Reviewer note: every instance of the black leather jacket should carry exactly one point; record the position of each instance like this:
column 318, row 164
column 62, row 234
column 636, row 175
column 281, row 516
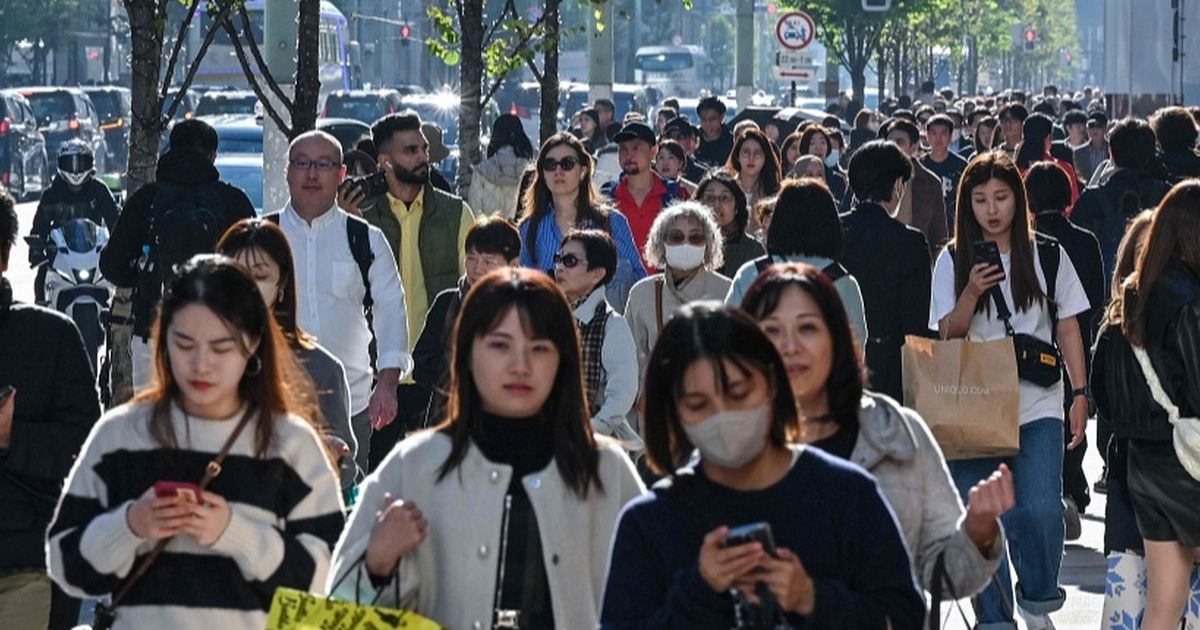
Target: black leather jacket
column 1119, row 389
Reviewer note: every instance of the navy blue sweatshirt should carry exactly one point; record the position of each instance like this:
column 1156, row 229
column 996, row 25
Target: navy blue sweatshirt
column 828, row 512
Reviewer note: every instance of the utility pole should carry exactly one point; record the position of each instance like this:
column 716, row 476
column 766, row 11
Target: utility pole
column 279, row 51
column 600, row 51
column 744, row 65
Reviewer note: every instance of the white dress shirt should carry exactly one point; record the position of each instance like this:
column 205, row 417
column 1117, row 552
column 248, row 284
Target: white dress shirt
column 329, row 296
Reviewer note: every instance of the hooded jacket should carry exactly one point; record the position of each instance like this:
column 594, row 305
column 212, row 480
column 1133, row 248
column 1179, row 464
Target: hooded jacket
column 495, row 183
column 896, row 447
column 118, row 261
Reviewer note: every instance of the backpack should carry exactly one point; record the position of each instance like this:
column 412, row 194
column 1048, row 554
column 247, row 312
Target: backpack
column 359, row 239
column 834, row 270
column 184, row 221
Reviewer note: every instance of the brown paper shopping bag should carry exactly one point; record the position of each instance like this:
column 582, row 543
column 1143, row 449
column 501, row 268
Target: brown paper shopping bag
column 967, row 393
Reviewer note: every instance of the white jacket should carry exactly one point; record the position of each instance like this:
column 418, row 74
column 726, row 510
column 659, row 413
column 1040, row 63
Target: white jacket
column 451, row 576
column 619, row 388
column 495, row 183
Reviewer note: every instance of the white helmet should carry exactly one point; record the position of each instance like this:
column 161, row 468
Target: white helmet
column 76, row 162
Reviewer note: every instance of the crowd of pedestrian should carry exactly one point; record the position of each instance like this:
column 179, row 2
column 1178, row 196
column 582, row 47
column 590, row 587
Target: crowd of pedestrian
column 455, row 405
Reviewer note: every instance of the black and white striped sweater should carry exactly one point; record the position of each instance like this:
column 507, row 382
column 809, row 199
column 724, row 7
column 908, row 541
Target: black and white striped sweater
column 286, row 517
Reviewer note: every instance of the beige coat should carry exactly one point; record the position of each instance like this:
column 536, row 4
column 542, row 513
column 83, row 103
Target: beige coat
column 451, row 576
column 642, row 313
column 896, row 447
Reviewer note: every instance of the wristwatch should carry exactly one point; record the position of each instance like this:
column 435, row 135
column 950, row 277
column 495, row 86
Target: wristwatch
column 1086, row 392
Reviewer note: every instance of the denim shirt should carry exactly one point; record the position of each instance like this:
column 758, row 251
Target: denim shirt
column 549, row 239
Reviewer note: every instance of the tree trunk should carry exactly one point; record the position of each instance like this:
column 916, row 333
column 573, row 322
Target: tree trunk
column 880, row 74
column 145, row 131
column 897, row 87
column 858, row 79
column 470, row 92
column 308, row 80
column 549, row 82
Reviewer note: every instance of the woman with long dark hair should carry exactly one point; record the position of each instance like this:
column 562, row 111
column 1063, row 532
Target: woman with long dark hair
column 754, row 163
column 985, row 131
column 721, row 194
column 506, row 510
column 827, row 552
column 1035, row 292
column 225, row 381
column 562, row 198
column 263, row 249
column 496, row 180
column 1161, row 321
column 801, row 313
column 816, row 141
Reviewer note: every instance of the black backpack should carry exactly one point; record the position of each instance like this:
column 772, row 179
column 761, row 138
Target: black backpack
column 184, row 221
column 359, row 238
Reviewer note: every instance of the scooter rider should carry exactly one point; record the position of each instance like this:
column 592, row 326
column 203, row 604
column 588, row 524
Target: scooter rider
column 74, row 194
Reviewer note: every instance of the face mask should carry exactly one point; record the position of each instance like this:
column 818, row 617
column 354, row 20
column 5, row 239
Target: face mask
column 731, row 439
column 269, row 291
column 831, row 160
column 685, row 257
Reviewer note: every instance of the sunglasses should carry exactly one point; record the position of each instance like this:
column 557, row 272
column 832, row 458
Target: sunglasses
column 568, row 261
column 676, row 237
column 566, row 164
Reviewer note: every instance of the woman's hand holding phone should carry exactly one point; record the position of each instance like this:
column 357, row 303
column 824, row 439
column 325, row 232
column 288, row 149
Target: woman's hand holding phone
column 209, row 519
column 152, row 517
column 983, row 277
column 721, row 566
column 787, row 580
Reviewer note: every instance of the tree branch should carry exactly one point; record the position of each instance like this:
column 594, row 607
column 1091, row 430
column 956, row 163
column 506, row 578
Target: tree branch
column 521, row 45
column 183, row 29
column 532, row 68
column 194, row 67
column 509, row 6
column 258, row 91
column 262, row 64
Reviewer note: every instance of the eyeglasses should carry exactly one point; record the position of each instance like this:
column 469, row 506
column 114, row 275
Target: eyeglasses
column 568, row 261
column 567, row 164
column 324, row 164
column 716, row 200
column 677, row 237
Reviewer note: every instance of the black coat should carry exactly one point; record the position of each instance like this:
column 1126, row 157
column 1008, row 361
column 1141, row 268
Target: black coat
column 891, row 262
column 1084, row 250
column 1181, row 164
column 118, row 261
column 1119, row 388
column 431, row 354
column 1172, row 331
column 56, row 404
column 1099, row 210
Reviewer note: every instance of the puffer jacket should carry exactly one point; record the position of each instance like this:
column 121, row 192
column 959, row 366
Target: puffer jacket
column 1119, row 388
column 897, row 448
column 495, row 182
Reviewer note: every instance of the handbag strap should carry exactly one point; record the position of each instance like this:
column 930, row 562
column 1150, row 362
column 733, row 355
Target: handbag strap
column 658, row 290
column 1156, row 388
column 211, row 471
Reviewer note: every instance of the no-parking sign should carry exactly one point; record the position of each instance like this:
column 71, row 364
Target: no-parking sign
column 795, row 30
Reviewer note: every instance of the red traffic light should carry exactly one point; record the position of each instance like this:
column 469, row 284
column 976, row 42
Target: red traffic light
column 405, row 31
column 1030, row 35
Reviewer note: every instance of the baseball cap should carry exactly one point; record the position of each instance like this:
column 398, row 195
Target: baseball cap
column 1097, row 120
column 681, row 123
column 635, row 130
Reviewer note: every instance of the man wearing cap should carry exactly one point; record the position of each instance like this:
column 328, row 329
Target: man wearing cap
column 681, row 130
column 640, row 193
column 1089, row 156
column 716, row 141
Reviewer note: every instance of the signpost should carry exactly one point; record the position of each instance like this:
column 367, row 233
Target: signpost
column 794, row 32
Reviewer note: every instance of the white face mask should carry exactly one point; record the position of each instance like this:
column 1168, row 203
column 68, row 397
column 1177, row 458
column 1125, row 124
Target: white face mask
column 731, row 439
column 831, row 160
column 685, row 256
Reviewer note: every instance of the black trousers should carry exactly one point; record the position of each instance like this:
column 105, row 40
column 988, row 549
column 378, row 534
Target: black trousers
column 64, row 610
column 412, row 400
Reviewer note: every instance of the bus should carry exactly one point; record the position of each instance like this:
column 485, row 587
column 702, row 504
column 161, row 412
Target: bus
column 680, row 71
column 220, row 66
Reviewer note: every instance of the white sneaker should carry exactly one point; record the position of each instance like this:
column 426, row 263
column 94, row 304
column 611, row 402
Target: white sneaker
column 1035, row 621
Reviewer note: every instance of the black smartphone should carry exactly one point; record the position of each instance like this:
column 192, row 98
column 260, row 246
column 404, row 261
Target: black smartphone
column 989, row 252
column 374, row 184
column 754, row 532
column 6, row 392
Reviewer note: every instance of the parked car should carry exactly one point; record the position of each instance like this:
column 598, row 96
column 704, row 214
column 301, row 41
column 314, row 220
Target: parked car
column 347, row 130
column 187, row 107
column 362, row 105
column 24, row 168
column 442, row 108
column 113, row 105
column 408, row 89
column 625, row 98
column 220, row 102
column 65, row 113
column 245, row 171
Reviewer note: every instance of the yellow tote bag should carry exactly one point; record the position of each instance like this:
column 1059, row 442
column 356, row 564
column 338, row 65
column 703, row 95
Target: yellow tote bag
column 297, row 610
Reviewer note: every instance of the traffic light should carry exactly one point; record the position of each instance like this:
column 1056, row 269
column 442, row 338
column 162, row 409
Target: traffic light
column 405, row 34
column 876, row 6
column 1030, row 39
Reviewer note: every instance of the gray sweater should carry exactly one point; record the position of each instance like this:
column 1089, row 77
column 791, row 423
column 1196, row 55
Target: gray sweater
column 897, row 448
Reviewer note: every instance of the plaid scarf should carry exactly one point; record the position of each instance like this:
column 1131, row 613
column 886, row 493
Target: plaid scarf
column 592, row 336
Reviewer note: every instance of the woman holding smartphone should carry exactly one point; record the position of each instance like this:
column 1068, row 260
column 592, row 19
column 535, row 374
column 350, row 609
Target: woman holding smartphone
column 830, row 554
column 504, row 513
column 969, row 296
column 226, row 381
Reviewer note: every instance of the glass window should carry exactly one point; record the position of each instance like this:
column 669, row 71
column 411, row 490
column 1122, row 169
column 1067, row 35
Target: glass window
column 663, row 62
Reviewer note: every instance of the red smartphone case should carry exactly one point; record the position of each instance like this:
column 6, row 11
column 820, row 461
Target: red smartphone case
column 185, row 490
